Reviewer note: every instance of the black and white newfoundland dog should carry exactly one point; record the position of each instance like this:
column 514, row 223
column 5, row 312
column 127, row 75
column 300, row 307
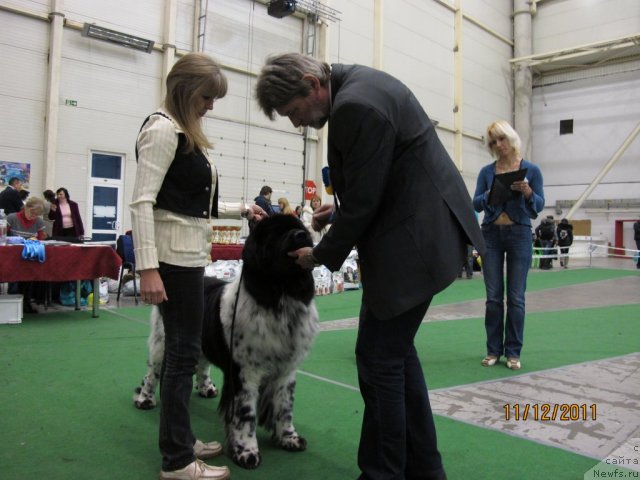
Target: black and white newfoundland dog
column 258, row 343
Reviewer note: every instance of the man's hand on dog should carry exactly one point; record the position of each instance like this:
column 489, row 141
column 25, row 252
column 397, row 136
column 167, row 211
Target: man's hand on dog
column 304, row 257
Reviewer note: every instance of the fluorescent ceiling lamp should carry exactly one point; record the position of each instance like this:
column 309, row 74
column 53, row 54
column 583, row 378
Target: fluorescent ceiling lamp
column 124, row 39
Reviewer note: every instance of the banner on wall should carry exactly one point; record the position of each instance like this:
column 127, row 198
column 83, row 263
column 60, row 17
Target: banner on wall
column 9, row 170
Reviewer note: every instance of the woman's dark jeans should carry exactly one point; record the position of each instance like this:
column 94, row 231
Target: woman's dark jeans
column 182, row 317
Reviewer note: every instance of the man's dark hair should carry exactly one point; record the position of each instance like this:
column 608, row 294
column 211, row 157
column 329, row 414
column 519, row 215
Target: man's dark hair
column 13, row 180
column 266, row 190
column 281, row 80
column 49, row 195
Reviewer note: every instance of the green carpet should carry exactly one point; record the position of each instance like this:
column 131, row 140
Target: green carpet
column 67, row 382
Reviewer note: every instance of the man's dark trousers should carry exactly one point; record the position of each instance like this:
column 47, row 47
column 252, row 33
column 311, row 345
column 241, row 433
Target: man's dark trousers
column 397, row 409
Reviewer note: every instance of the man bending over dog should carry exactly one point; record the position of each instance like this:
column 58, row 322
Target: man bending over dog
column 400, row 199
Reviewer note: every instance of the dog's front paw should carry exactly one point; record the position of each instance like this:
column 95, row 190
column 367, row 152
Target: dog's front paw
column 292, row 443
column 248, row 458
column 142, row 400
column 207, row 390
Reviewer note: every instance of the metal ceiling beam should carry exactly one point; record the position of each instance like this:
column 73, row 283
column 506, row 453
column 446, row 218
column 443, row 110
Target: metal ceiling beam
column 605, row 170
column 580, row 50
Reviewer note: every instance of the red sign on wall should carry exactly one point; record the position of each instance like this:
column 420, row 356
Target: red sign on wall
column 309, row 189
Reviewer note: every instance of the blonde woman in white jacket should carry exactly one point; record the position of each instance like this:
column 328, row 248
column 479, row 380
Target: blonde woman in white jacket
column 175, row 196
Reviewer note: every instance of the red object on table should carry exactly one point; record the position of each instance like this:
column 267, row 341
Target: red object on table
column 226, row 252
column 62, row 263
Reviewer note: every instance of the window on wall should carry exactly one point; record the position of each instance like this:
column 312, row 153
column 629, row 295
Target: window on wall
column 566, row 127
column 106, row 166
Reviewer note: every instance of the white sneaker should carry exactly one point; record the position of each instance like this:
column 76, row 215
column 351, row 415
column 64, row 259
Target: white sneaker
column 197, row 470
column 205, row 451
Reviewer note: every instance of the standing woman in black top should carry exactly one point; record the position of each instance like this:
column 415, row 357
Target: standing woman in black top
column 174, row 198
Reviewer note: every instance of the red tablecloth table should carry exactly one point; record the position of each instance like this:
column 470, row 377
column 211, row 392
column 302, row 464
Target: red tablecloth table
column 226, row 252
column 62, row 263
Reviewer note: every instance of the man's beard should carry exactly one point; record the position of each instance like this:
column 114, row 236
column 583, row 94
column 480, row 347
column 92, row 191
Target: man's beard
column 319, row 122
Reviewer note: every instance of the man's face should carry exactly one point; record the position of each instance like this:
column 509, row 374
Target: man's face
column 309, row 111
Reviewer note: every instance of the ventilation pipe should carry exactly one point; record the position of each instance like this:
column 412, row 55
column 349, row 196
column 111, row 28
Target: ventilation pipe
column 522, row 47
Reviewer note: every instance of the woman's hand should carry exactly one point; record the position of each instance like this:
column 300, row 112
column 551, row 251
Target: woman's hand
column 523, row 187
column 255, row 213
column 151, row 287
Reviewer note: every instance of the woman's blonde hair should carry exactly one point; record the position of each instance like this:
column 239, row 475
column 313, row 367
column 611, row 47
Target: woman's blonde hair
column 193, row 75
column 502, row 128
column 286, row 208
column 35, row 204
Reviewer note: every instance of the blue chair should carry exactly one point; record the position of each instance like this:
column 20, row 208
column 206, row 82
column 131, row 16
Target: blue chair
column 124, row 248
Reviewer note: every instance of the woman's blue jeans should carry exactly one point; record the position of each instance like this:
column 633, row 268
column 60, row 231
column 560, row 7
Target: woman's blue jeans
column 510, row 243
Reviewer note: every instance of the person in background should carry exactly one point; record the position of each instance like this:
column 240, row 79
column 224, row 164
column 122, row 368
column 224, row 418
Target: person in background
column 298, row 211
column 24, row 194
column 10, row 199
column 307, row 218
column 401, row 200
column 467, row 266
column 285, row 208
column 65, row 214
column 28, row 224
column 565, row 240
column 507, row 234
column 175, row 196
column 264, row 200
column 49, row 198
column 636, row 237
column 546, row 234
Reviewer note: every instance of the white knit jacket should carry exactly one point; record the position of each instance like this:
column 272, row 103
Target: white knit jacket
column 160, row 235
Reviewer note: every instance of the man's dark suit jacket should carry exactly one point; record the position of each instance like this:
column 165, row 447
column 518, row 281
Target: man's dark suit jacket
column 401, row 199
column 10, row 200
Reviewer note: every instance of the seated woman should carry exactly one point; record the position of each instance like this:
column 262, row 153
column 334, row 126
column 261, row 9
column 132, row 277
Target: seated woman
column 28, row 224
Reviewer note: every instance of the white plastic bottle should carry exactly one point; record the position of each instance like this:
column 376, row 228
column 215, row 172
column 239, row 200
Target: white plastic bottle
column 3, row 227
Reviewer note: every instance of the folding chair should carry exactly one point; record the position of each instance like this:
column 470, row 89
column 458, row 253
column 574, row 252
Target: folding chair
column 124, row 248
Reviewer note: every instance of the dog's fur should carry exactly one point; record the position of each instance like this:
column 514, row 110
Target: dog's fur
column 272, row 330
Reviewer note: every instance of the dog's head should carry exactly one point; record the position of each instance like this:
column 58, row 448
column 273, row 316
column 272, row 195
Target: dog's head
column 268, row 269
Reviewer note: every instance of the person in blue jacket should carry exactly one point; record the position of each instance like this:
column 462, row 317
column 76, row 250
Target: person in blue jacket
column 506, row 228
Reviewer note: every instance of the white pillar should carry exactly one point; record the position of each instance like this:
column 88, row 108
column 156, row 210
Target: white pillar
column 52, row 102
column 522, row 85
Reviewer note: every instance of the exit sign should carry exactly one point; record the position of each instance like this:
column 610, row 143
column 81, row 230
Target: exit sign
column 71, row 103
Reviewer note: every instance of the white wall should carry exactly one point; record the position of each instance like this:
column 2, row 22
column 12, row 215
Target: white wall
column 418, row 49
column 561, row 24
column 603, row 104
column 115, row 88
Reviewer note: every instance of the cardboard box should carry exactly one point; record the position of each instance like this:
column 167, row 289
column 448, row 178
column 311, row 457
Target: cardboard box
column 10, row 308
